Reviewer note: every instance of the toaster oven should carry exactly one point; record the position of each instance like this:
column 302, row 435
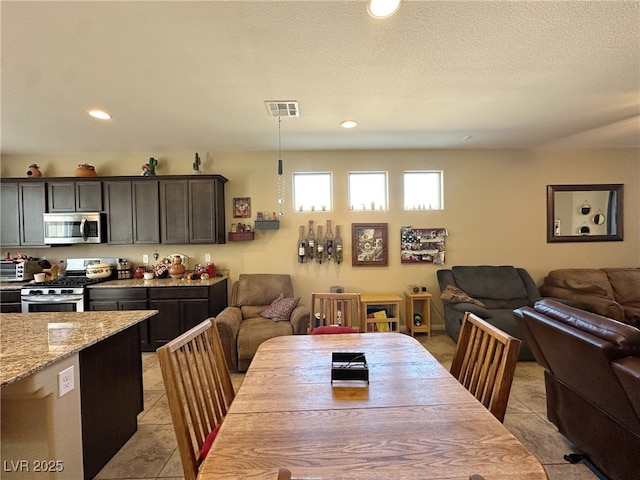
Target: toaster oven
column 11, row 271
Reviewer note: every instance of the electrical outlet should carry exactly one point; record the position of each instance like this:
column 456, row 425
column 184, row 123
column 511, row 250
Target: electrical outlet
column 66, row 381
column 145, row 259
column 207, row 257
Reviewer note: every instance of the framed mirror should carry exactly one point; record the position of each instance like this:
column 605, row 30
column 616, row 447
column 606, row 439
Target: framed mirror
column 584, row 213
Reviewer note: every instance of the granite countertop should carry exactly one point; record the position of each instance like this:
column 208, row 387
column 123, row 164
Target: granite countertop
column 12, row 285
column 33, row 341
column 159, row 282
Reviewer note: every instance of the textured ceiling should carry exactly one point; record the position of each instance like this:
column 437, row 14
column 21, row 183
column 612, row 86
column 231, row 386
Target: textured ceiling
column 189, row 76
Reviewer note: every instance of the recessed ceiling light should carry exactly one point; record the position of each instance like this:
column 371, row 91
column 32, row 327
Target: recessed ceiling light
column 466, row 138
column 383, row 8
column 349, row 124
column 102, row 115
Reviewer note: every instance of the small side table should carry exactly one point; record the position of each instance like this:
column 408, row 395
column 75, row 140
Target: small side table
column 418, row 304
column 388, row 302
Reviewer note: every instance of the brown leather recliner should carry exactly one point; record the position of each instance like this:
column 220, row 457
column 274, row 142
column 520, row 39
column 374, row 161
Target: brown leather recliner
column 241, row 327
column 592, row 379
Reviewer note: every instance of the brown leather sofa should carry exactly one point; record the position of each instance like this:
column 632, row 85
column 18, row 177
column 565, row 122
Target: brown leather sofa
column 592, row 379
column 242, row 328
column 612, row 292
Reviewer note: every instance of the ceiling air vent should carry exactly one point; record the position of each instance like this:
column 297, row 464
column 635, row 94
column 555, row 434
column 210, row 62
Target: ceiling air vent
column 282, row 108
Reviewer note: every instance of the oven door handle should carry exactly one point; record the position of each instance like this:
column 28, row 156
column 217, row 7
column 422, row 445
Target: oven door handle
column 49, row 299
column 83, row 225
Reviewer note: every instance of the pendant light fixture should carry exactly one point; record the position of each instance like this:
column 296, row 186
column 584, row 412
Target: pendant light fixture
column 280, row 184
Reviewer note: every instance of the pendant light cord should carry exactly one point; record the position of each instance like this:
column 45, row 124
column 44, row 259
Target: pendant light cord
column 279, row 147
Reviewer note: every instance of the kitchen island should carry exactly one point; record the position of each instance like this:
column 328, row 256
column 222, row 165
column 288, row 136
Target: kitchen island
column 71, row 390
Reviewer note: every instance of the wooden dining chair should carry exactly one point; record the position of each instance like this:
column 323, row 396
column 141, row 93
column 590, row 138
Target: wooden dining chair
column 340, row 312
column 485, row 361
column 199, row 391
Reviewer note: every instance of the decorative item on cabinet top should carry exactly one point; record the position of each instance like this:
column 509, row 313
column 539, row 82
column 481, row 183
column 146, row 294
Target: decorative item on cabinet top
column 34, row 171
column 86, row 170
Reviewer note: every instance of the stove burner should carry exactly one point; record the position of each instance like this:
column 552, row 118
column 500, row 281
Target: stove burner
column 71, row 282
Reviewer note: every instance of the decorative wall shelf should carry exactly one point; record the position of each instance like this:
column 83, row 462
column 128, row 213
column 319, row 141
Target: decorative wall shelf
column 240, row 236
column 267, row 224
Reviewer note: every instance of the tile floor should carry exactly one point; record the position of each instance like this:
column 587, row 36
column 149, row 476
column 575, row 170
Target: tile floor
column 152, row 452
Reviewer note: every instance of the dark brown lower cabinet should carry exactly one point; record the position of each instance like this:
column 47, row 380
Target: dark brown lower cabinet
column 179, row 308
column 10, row 301
column 177, row 315
column 111, row 397
column 123, row 299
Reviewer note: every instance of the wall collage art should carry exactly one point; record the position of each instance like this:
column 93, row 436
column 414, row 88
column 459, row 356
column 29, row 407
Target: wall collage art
column 422, row 245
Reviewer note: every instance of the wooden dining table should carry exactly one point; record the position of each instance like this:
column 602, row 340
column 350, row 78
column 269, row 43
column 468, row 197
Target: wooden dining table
column 411, row 420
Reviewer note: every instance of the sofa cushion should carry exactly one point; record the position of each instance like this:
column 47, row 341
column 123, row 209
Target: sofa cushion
column 589, row 281
column 250, row 311
column 489, row 282
column 280, row 309
column 625, row 337
column 261, row 288
column 625, row 283
column 452, row 294
column 254, row 331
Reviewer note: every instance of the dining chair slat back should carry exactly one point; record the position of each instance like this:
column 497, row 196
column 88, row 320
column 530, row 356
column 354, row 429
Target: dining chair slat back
column 485, row 361
column 343, row 309
column 199, row 391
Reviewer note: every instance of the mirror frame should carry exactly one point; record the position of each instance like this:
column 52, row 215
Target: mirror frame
column 614, row 187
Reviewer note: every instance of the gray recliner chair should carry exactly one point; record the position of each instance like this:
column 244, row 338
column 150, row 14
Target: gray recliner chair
column 501, row 289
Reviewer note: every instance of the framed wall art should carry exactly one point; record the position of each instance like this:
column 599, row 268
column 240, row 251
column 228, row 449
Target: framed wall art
column 422, row 245
column 241, row 207
column 369, row 244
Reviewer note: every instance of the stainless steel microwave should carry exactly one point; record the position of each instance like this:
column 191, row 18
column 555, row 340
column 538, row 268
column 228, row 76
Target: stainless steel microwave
column 74, row 228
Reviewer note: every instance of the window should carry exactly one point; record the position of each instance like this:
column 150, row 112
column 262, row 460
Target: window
column 423, row 190
column 368, row 190
column 312, row 191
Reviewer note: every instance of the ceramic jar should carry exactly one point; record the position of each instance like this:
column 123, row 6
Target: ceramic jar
column 139, row 272
column 176, row 270
column 211, row 270
column 34, row 171
column 86, row 170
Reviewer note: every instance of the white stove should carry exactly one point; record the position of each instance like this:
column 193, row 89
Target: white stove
column 64, row 294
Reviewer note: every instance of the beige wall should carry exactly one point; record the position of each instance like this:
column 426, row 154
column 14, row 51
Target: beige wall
column 494, row 210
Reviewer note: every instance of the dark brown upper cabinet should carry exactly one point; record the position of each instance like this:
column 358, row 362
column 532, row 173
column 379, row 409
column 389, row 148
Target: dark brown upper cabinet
column 132, row 211
column 192, row 210
column 75, row 196
column 23, row 204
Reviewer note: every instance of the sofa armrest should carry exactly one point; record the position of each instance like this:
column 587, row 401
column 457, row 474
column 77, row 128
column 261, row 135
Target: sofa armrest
column 470, row 307
column 628, row 372
column 300, row 319
column 228, row 324
column 600, row 305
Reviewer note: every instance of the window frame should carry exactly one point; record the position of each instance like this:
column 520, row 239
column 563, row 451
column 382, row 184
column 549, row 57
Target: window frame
column 351, row 205
column 312, row 208
column 440, row 174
